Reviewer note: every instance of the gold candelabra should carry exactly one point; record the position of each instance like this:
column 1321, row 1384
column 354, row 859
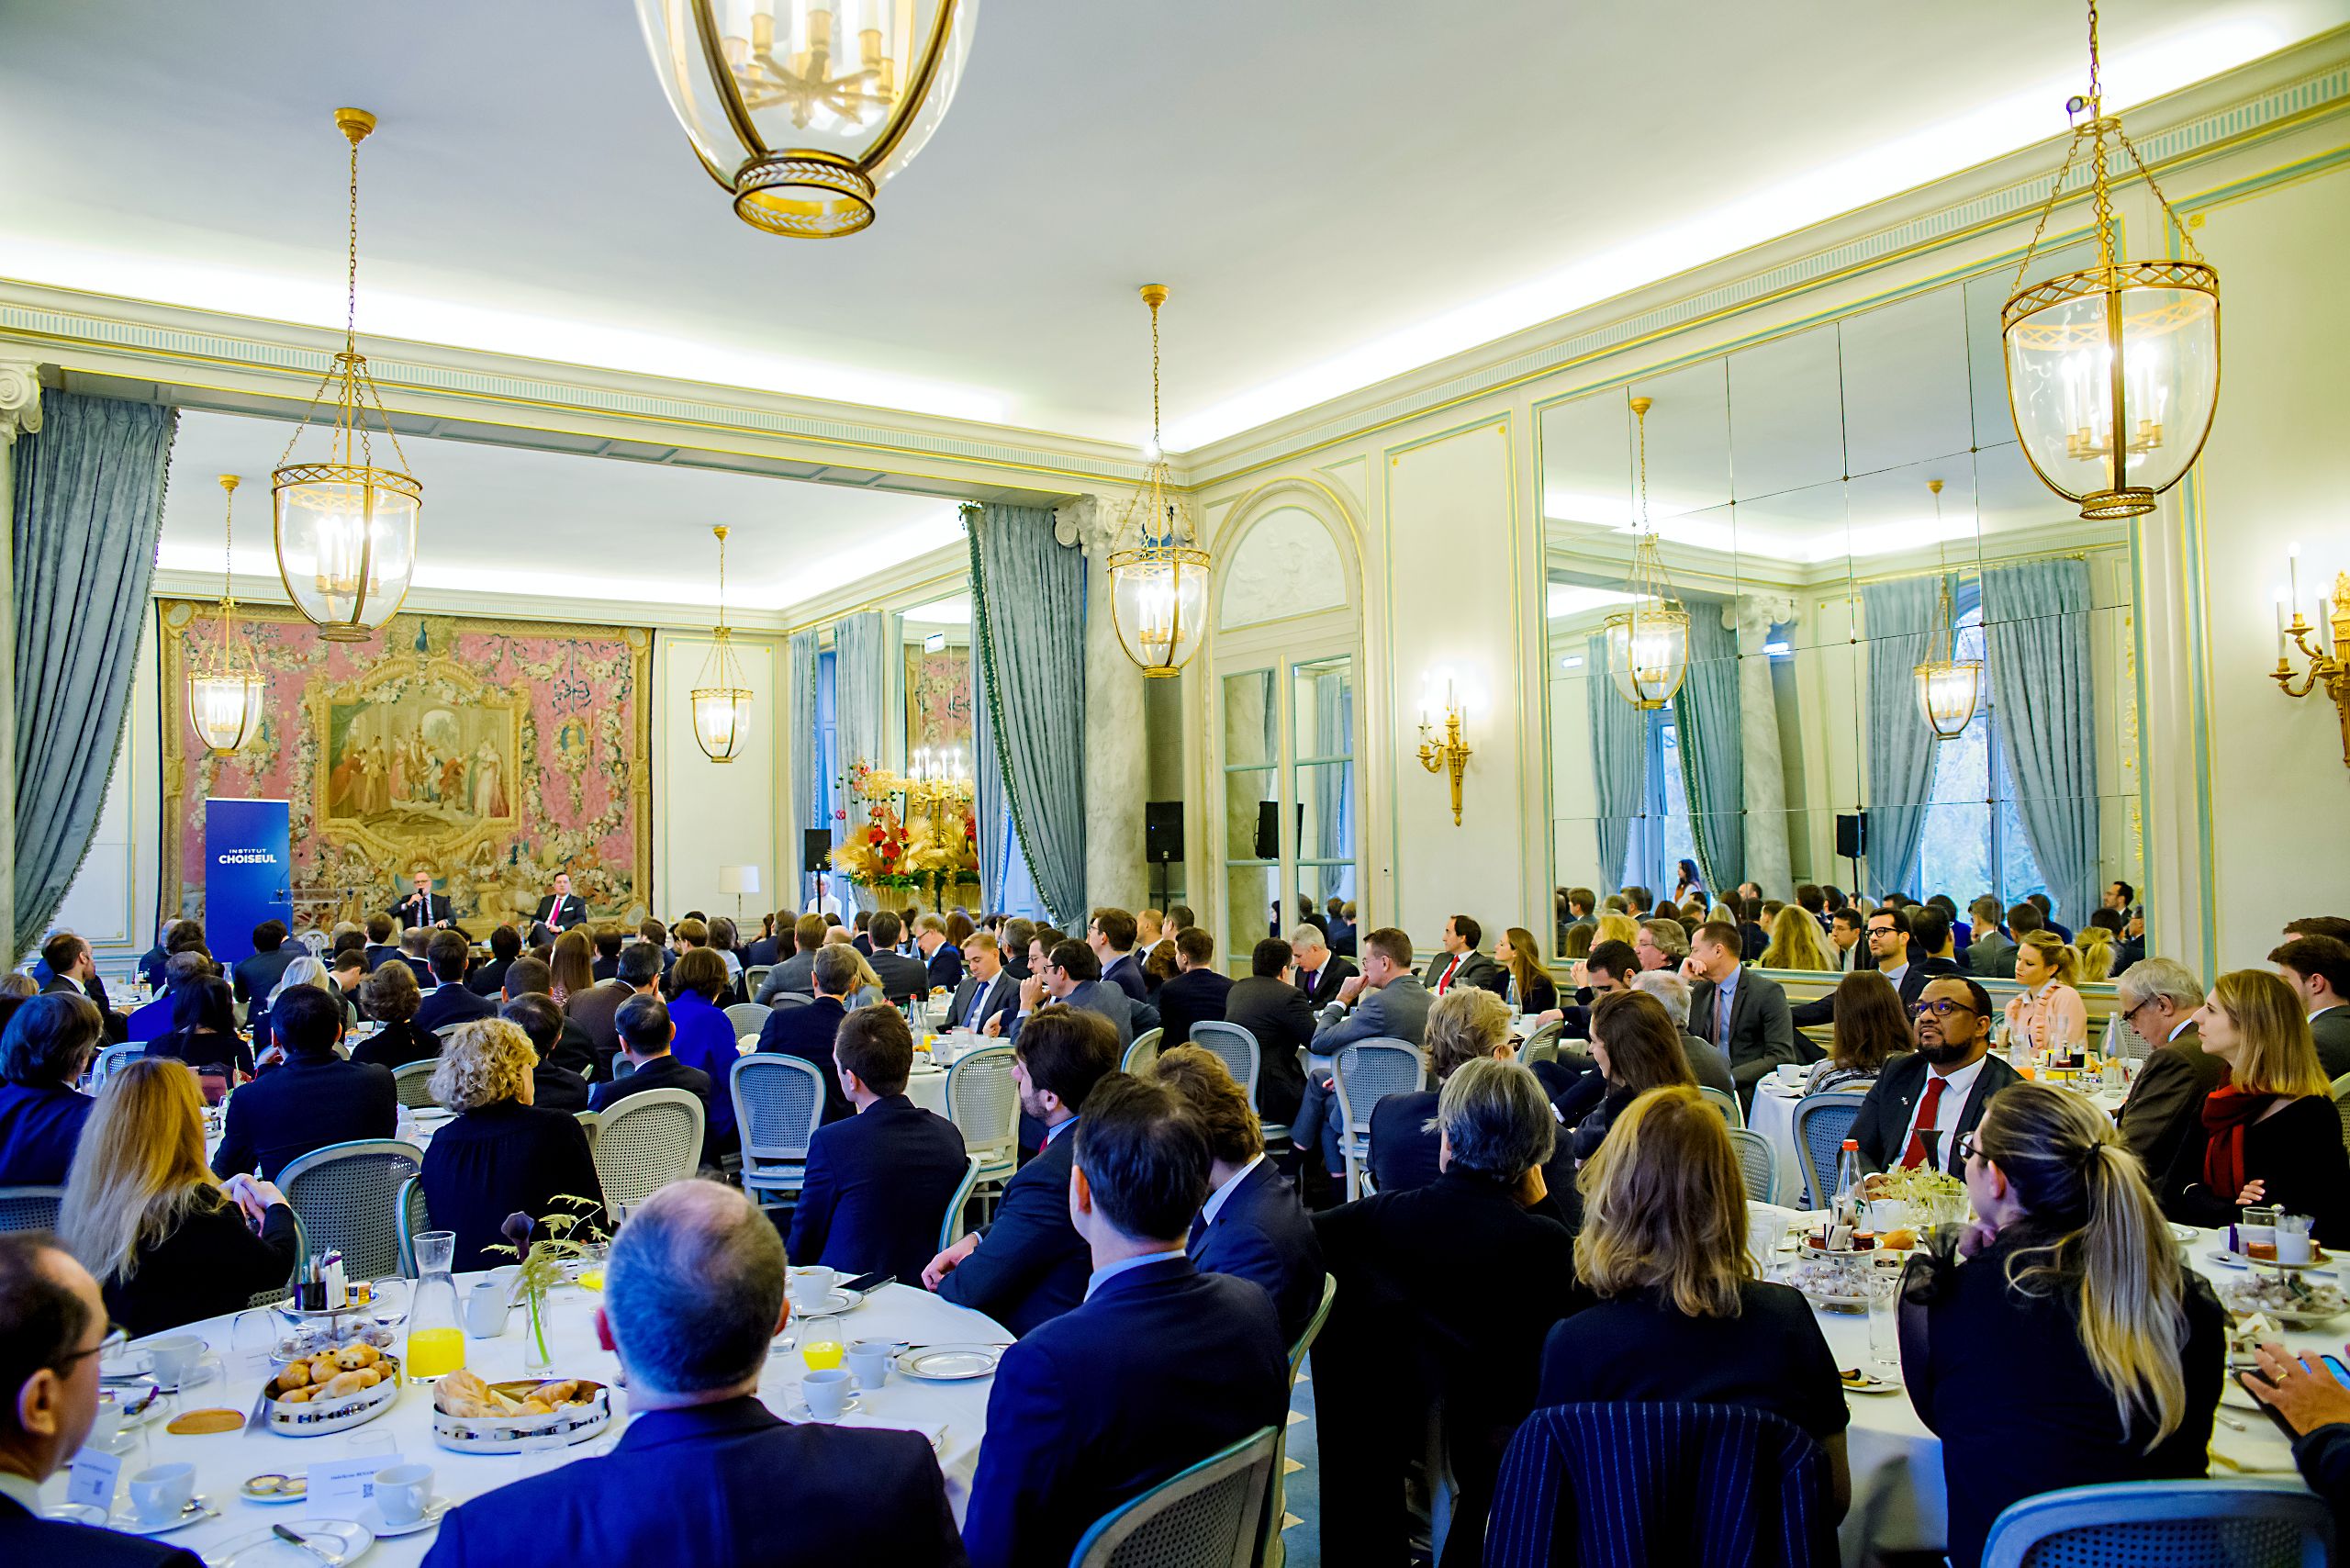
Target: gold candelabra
column 1450, row 756
column 2329, row 670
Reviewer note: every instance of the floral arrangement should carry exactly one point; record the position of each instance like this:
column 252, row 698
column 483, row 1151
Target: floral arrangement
column 542, row 1264
column 933, row 846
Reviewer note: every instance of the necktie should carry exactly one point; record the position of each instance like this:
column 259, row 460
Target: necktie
column 1722, row 1001
column 1447, row 981
column 1928, row 1108
column 1199, row 1228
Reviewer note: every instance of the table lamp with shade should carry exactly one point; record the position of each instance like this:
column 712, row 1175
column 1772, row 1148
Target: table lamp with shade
column 738, row 880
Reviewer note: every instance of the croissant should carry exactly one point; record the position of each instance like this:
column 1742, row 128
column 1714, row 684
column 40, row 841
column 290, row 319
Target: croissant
column 463, row 1393
column 347, row 1383
column 295, row 1377
column 565, row 1392
column 296, row 1396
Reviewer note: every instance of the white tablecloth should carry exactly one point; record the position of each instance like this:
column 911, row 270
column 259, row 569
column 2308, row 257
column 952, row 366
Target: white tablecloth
column 222, row 1461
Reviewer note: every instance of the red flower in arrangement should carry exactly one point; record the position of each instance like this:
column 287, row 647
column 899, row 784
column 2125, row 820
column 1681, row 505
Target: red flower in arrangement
column 874, row 836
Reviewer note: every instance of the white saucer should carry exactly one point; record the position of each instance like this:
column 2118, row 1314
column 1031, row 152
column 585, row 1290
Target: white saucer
column 266, row 1546
column 126, row 1366
column 835, row 1301
column 371, row 1515
column 271, row 1499
column 799, row 1411
column 198, row 1507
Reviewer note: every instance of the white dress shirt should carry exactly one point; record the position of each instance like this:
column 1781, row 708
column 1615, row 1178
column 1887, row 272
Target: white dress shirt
column 1214, row 1205
column 1956, row 1087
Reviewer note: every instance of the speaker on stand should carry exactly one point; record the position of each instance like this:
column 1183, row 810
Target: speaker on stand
column 1852, row 842
column 1162, row 840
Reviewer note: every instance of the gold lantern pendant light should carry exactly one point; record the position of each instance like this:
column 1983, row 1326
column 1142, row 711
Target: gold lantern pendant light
column 224, row 699
column 805, row 108
column 722, row 702
column 1647, row 645
column 1948, row 687
column 1159, row 584
column 345, row 527
column 2113, row 372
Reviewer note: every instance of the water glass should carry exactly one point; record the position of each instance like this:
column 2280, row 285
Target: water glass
column 1884, row 1324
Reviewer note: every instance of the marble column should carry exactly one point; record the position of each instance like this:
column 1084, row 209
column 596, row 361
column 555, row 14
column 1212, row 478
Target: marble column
column 1751, row 616
column 1116, row 760
column 19, row 414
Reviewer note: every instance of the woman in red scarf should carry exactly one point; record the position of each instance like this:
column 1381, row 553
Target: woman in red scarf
column 2269, row 1133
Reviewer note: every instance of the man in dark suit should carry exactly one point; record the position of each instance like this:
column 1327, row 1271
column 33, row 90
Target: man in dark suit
column 1927, row 1100
column 1031, row 1265
column 2159, row 997
column 2317, row 969
column 693, row 1299
column 807, row 1030
column 861, row 930
column 987, row 991
column 381, row 943
column 1742, row 1012
column 256, row 976
column 1251, row 1225
column 646, row 1033
column 807, row 936
column 767, row 946
column 416, row 942
column 449, row 1001
column 1161, row 1366
column 559, row 910
column 1848, row 946
column 553, row 1085
column 636, row 972
column 878, row 1184
column 609, row 940
column 489, row 979
column 941, row 958
column 1071, row 977
column 422, row 906
column 72, row 969
column 1195, row 994
column 1989, row 953
column 1110, row 933
column 900, row 977
column 1461, row 963
column 52, row 1038
column 574, row 1047
column 1320, row 972
column 316, row 1098
column 1898, row 955
column 1270, row 1007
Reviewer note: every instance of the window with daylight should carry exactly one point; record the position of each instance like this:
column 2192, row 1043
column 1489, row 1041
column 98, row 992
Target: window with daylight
column 1974, row 840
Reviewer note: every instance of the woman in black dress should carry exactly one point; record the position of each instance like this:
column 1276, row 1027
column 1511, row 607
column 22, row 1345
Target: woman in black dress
column 503, row 1155
column 2059, row 1343
column 1530, row 990
column 392, row 1001
column 204, row 1032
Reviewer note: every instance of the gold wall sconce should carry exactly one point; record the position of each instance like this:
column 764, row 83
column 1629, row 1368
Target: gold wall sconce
column 2326, row 646
column 1450, row 756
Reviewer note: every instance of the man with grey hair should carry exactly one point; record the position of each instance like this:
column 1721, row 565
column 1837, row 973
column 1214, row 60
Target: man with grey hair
column 693, row 1297
column 2159, row 997
column 1706, row 1061
column 1990, row 953
column 1397, row 1259
column 1661, row 944
column 1320, row 972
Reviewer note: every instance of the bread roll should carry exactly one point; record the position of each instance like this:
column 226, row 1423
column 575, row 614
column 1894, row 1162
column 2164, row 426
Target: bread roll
column 296, row 1396
column 295, row 1377
column 345, row 1382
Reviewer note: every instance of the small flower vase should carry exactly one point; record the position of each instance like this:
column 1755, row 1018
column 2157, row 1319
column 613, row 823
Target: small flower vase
column 535, row 1356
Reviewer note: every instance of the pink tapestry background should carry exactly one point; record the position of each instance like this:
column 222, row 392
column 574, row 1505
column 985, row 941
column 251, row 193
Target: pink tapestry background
column 491, row 753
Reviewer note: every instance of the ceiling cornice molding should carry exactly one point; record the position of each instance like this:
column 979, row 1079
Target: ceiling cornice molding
column 253, row 589
column 2269, row 97
column 914, row 581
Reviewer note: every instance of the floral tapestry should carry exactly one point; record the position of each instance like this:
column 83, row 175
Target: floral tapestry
column 938, row 701
column 489, row 752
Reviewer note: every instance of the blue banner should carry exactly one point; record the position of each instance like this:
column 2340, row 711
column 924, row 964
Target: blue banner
column 248, row 873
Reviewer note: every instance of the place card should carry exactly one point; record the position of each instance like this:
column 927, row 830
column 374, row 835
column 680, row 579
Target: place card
column 91, row 1480
column 339, row 1485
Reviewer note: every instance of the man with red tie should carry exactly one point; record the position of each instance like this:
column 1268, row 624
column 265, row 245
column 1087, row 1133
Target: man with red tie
column 559, row 911
column 1461, row 964
column 1925, row 1105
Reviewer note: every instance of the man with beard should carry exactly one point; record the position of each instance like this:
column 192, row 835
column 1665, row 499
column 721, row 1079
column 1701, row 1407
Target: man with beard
column 1925, row 1102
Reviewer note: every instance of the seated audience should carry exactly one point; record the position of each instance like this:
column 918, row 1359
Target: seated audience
column 705, row 1473
column 2317, row 969
column 1705, row 1061
column 1320, row 971
column 2063, row 1344
column 1742, row 1012
column 204, row 1034
column 1031, row 1265
column 1072, row 975
column 2094, row 947
column 1870, row 1028
column 449, row 1001
column 987, row 991
column 181, row 968
column 1196, row 993
column 382, row 941
column 1160, row 1366
column 705, row 1039
column 646, row 1033
column 1529, row 990
column 1635, row 1049
column 1681, row 1316
column 943, row 958
column 793, row 973
column 1385, row 1002
column 301, row 970
column 44, row 1051
column 2159, row 1000
column 347, row 972
column 1797, row 940
column 809, row 1030
column 1251, row 1225
column 501, row 1154
column 74, row 971
column 609, row 939
column 760, row 951
column 1457, row 961
column 531, row 975
column 392, row 1002
column 505, row 947
column 572, row 970
column 1466, row 1023
column 312, row 1099
column 591, row 1009
column 1110, row 933
column 900, row 978
column 1270, row 1006
column 1924, row 1102
column 256, row 976
column 2048, row 1011
column 638, row 973
column 878, row 1184
column 2270, row 1133
column 1902, row 946
column 553, row 1086
column 1990, row 953
column 1399, row 1259
column 1662, row 942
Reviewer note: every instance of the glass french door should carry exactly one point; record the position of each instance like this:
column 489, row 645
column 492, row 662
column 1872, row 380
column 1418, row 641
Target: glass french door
column 1290, row 806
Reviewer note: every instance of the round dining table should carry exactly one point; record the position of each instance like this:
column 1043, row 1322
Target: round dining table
column 953, row 1415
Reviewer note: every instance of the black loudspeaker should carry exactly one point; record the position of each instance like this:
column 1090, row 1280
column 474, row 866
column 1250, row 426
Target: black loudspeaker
column 1852, row 836
column 1269, row 829
column 816, row 847
column 1162, row 830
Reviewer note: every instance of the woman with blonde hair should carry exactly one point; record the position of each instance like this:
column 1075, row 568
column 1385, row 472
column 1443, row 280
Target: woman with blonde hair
column 1616, row 926
column 502, row 1155
column 1465, row 1024
column 2068, row 1347
column 574, row 965
column 2094, row 944
column 304, row 970
column 1798, row 942
column 2270, row 1133
column 168, row 1242
column 1682, row 1315
column 2048, row 1011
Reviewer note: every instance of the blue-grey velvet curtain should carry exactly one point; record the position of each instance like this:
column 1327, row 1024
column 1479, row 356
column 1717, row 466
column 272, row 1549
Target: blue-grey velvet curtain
column 1713, row 747
column 861, row 687
column 2036, row 642
column 1028, row 622
column 808, row 805
column 1334, row 736
column 1619, row 761
column 89, row 501
column 1896, row 619
column 987, row 806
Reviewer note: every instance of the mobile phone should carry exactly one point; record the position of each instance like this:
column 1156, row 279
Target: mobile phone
column 864, row 1283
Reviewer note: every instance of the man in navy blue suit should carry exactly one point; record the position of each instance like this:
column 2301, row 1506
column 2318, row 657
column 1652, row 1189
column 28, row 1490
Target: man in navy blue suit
column 1112, row 937
column 878, row 1184
column 806, row 1031
column 987, row 991
column 450, row 1001
column 705, row 1474
column 1251, row 1225
column 1162, row 1364
column 1031, row 1265
column 942, row 957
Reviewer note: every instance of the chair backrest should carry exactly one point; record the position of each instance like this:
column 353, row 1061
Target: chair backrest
column 1206, row 1517
column 756, row 977
column 983, row 1101
column 412, row 1084
column 1143, row 1052
column 2252, row 1523
column 1542, row 1045
column 1726, row 1103
column 346, row 1195
column 747, row 1018
column 1821, row 1121
column 29, row 1208
column 1237, row 1046
column 647, row 1141
column 589, row 1124
column 1313, row 1327
column 414, row 1222
column 1368, row 1071
column 2342, row 1105
column 778, row 1101
column 793, row 999
column 950, row 1225
column 112, row 1061
column 443, row 1033
column 1758, row 1162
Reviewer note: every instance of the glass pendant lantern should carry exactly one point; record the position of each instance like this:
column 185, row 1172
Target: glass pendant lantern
column 1948, row 688
column 224, row 699
column 1647, row 644
column 1159, row 583
column 719, row 699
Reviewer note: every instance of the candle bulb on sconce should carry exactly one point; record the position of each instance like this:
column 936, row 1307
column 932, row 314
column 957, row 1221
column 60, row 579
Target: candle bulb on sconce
column 1450, row 756
column 2328, row 672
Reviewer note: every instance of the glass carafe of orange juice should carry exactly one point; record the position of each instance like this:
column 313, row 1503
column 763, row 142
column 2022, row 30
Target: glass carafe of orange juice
column 436, row 1335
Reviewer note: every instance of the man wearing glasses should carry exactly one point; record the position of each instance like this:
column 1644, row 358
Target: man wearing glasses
column 53, row 1329
column 1902, row 945
column 1925, row 1101
column 2159, row 997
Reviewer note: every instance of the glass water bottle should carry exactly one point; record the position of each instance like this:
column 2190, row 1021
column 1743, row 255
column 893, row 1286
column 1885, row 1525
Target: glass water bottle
column 436, row 1332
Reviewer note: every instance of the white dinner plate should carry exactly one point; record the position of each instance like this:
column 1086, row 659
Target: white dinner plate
column 371, row 1515
column 948, row 1363
column 1870, row 1383
column 128, row 1523
column 2323, row 1270
column 341, row 1539
column 126, row 1366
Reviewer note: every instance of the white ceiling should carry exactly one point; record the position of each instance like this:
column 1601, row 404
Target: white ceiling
column 1338, row 190
column 540, row 524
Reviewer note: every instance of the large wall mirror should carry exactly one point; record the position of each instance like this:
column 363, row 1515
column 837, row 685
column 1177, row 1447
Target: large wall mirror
column 1791, row 490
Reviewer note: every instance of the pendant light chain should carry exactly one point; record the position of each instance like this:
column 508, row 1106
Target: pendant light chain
column 1154, row 381
column 1640, row 417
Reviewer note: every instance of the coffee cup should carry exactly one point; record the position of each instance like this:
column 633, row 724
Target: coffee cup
column 403, row 1493
column 811, row 1287
column 161, row 1493
column 175, row 1355
column 869, row 1360
column 827, row 1393
column 486, row 1308
column 107, row 1422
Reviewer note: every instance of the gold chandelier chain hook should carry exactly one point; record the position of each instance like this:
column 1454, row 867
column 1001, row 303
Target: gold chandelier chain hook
column 350, row 264
column 1154, row 381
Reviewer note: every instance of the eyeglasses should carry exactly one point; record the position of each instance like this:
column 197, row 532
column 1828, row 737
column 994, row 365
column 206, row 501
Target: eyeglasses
column 1966, row 1147
column 115, row 1338
column 2129, row 1015
column 1942, row 1007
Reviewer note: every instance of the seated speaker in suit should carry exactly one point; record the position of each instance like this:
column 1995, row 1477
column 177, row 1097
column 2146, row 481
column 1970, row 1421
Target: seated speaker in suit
column 791, row 974
column 1251, row 1226
column 1162, row 1365
column 1461, row 963
column 561, row 909
column 422, row 906
column 1270, row 1006
column 878, row 1184
column 1924, row 1102
column 1031, row 1265
column 1741, row 1012
column 988, row 992
column 1197, row 992
column 940, row 956
column 450, row 1001
column 807, row 1030
column 313, row 1099
column 1320, row 971
column 1072, row 975
column 44, row 1051
column 693, row 1298
column 1387, row 1001
column 900, row 977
